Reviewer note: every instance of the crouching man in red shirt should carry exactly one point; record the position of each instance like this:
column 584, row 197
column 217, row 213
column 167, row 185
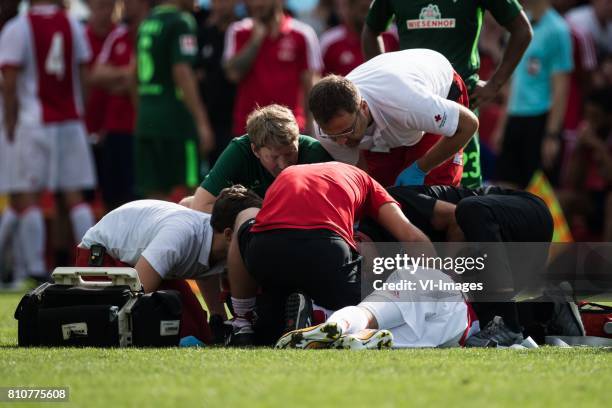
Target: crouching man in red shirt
column 302, row 241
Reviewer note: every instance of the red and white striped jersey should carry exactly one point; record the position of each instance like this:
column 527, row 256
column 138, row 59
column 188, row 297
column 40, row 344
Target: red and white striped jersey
column 48, row 47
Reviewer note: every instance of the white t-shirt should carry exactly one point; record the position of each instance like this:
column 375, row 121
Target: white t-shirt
column 175, row 240
column 406, row 93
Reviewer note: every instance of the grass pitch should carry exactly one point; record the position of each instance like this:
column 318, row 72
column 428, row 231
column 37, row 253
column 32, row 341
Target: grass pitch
column 216, row 377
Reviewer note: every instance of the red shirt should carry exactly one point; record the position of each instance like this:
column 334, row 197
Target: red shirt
column 118, row 51
column 96, row 99
column 47, row 28
column 328, row 196
column 341, row 49
column 276, row 74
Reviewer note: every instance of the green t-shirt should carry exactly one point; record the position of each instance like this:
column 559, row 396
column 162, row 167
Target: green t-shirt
column 451, row 27
column 238, row 165
column 167, row 37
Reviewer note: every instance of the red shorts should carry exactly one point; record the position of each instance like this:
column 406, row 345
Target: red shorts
column 194, row 320
column 385, row 167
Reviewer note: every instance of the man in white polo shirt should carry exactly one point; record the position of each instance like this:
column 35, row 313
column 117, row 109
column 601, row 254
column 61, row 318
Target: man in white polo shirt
column 167, row 243
column 402, row 116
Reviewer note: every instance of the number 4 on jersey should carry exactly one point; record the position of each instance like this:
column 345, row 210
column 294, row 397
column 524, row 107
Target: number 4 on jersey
column 54, row 63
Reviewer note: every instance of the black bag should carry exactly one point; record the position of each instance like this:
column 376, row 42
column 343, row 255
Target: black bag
column 98, row 315
column 156, row 319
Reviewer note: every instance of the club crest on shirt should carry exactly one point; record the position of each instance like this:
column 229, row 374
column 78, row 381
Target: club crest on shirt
column 286, row 49
column 430, row 17
column 534, row 66
column 347, row 58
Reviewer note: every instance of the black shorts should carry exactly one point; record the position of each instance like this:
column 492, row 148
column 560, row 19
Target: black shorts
column 521, row 153
column 318, row 263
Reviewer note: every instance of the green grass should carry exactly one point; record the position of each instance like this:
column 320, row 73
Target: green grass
column 216, row 377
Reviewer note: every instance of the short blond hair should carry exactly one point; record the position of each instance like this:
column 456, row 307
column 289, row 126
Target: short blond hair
column 273, row 126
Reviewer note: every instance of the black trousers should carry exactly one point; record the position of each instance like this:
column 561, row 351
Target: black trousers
column 318, row 263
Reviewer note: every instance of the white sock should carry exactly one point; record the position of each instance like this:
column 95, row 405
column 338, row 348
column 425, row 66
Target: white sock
column 8, row 225
column 350, row 319
column 243, row 310
column 20, row 272
column 31, row 239
column 82, row 219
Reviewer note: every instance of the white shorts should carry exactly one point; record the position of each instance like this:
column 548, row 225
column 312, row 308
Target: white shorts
column 419, row 323
column 55, row 157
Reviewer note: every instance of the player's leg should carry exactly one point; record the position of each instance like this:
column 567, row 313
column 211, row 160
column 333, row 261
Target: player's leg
column 117, row 167
column 33, row 166
column 76, row 172
column 243, row 286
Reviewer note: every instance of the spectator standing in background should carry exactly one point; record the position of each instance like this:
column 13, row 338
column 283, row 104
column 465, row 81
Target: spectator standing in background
column 584, row 55
column 99, row 25
column 589, row 192
column 114, row 71
column 341, row 45
column 595, row 19
column 452, row 28
column 43, row 57
column 538, row 99
column 171, row 118
column 274, row 59
column 216, row 91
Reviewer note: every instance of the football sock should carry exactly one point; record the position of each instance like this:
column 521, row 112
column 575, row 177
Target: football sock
column 387, row 314
column 31, row 241
column 350, row 319
column 244, row 310
column 8, row 224
column 82, row 219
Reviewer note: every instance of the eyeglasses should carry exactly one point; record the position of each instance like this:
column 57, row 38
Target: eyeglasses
column 342, row 135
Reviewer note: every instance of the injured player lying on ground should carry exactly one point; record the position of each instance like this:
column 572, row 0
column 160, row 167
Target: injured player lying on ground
column 392, row 318
column 451, row 213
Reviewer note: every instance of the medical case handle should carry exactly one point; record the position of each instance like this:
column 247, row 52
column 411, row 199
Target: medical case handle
column 113, row 276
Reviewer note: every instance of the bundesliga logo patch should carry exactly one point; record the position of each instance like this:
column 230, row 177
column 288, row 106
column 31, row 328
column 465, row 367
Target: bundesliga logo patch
column 430, row 17
column 188, row 44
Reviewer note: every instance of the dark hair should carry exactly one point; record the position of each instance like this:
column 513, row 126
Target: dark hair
column 230, row 202
column 330, row 96
column 601, row 98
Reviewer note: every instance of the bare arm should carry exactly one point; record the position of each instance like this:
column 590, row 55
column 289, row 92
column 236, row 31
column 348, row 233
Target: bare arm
column 554, row 123
column 116, row 80
column 240, row 64
column 185, row 80
column 308, row 79
column 149, row 277
column 11, row 107
column 203, row 200
column 371, row 43
column 447, row 146
column 520, row 37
